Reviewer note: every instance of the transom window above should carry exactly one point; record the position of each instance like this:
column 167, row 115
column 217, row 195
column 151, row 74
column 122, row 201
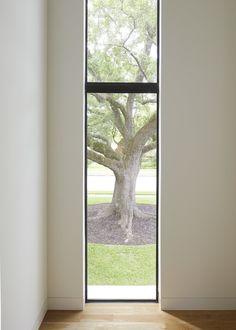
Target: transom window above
column 122, row 41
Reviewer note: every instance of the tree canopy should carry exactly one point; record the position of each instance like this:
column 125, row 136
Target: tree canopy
column 122, row 40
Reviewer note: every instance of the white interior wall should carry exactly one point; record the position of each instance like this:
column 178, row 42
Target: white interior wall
column 23, row 241
column 198, row 159
column 198, row 268
column 65, row 154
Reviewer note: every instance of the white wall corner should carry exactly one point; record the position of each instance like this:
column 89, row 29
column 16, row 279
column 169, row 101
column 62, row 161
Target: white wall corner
column 68, row 303
column 41, row 315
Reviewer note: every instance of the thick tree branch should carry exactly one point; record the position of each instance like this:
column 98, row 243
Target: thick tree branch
column 116, row 104
column 130, row 101
column 102, row 148
column 100, row 159
column 117, row 108
column 142, row 136
column 119, row 123
column 106, row 97
column 129, row 110
column 149, row 147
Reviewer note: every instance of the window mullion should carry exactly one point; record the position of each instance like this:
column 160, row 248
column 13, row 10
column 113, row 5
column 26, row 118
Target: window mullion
column 98, row 87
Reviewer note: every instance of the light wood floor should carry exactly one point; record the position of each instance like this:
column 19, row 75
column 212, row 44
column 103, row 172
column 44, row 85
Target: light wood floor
column 146, row 316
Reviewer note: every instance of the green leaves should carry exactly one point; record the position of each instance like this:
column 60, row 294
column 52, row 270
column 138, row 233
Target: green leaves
column 116, row 30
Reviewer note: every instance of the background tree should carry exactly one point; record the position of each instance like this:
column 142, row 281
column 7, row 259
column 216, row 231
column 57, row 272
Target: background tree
column 122, row 47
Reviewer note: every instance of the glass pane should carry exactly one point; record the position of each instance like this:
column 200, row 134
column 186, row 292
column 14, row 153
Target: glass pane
column 121, row 196
column 122, row 40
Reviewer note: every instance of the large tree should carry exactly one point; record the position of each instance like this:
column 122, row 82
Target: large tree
column 122, row 127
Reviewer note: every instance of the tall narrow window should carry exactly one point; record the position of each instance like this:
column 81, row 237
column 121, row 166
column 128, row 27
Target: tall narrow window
column 121, row 156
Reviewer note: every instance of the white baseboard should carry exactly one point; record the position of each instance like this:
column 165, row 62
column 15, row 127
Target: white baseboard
column 41, row 315
column 198, row 303
column 61, row 303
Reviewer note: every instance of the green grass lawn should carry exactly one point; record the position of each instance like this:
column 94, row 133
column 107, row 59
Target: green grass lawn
column 121, row 264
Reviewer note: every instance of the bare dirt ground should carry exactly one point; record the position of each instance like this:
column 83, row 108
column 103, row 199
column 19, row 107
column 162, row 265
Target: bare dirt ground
column 107, row 231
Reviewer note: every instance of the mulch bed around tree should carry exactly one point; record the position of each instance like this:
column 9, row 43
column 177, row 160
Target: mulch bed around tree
column 107, row 231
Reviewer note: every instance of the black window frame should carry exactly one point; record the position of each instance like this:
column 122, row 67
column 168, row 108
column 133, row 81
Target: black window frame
column 120, row 88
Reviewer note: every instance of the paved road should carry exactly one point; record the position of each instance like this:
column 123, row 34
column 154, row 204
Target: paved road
column 106, row 183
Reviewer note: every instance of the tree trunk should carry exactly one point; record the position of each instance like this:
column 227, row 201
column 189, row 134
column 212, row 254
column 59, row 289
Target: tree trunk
column 123, row 201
